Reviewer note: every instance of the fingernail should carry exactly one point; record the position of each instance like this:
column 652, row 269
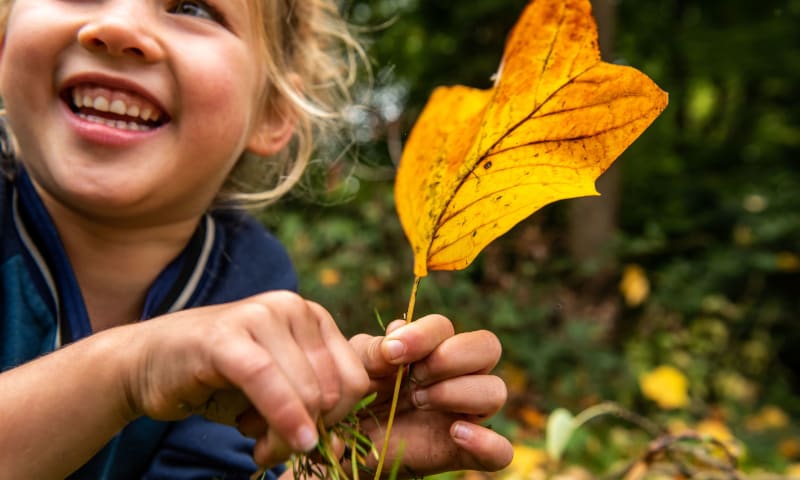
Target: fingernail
column 421, row 398
column 419, row 374
column 462, row 432
column 306, row 439
column 395, row 349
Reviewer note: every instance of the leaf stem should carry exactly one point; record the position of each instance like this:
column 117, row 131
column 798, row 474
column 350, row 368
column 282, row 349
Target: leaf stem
column 397, row 384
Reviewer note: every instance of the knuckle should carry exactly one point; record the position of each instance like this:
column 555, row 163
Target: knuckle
column 286, row 300
column 368, row 350
column 320, row 312
column 330, row 398
column 253, row 369
column 252, row 312
column 312, row 396
column 360, row 339
column 280, row 305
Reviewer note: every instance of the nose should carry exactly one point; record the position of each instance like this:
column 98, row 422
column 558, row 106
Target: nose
column 116, row 29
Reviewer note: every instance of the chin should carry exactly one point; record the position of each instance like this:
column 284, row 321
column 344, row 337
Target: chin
column 108, row 199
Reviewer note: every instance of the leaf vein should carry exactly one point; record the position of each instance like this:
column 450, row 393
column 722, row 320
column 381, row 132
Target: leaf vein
column 582, row 107
column 565, row 139
column 454, row 241
column 443, row 221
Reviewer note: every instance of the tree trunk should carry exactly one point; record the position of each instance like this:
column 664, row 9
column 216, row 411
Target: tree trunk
column 593, row 220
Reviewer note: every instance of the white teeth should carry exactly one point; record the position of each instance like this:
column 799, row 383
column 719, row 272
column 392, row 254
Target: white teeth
column 122, row 125
column 118, row 107
column 101, row 104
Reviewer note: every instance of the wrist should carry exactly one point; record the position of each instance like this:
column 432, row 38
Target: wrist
column 78, row 391
column 120, row 350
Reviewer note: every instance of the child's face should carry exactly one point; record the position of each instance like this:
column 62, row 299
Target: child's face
column 196, row 69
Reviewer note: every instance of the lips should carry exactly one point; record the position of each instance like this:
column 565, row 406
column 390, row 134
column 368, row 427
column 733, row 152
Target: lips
column 118, row 108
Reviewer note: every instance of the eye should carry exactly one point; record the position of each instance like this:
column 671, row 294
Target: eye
column 196, row 8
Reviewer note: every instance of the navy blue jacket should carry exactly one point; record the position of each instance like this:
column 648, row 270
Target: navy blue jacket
column 229, row 257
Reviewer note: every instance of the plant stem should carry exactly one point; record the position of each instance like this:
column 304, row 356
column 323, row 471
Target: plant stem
column 397, row 384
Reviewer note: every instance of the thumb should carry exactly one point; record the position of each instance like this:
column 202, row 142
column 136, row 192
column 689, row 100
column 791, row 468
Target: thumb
column 394, row 326
column 373, row 353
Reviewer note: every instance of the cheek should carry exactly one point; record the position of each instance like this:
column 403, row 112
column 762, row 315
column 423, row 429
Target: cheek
column 29, row 59
column 223, row 91
column 217, row 119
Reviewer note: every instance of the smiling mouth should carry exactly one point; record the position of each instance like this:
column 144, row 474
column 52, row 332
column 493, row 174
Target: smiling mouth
column 120, row 109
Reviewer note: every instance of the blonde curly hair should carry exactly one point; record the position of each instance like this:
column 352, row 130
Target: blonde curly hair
column 311, row 57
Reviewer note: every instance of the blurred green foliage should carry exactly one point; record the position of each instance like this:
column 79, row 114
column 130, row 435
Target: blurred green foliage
column 710, row 212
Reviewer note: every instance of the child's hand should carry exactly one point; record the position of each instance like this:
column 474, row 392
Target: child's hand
column 284, row 353
column 450, row 392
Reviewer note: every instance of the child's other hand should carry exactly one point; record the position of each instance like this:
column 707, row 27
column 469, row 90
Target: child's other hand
column 450, row 393
column 284, row 353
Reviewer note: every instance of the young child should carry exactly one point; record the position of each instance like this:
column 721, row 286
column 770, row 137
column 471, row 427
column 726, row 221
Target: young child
column 137, row 126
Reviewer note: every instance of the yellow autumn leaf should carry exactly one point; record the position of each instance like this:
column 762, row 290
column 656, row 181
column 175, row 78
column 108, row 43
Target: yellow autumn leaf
column 715, row 429
column 515, row 377
column 574, row 472
column 477, row 162
column 787, row 262
column 666, row 386
column 330, row 277
column 533, row 418
column 769, row 417
column 793, row 472
column 635, row 286
column 789, row 448
column 529, row 464
column 720, row 432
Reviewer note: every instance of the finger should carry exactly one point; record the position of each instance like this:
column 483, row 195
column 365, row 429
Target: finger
column 311, row 340
column 483, row 449
column 439, row 446
column 296, row 367
column 271, row 450
column 416, row 340
column 354, row 381
column 303, row 354
column 381, row 374
column 369, row 351
column 394, row 325
column 477, row 395
column 463, row 354
column 247, row 365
